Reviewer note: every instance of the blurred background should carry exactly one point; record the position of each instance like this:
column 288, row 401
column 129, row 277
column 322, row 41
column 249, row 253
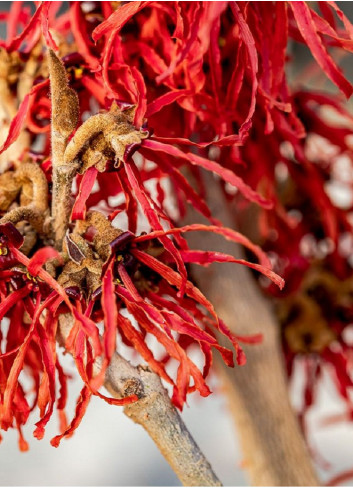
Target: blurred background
column 108, row 449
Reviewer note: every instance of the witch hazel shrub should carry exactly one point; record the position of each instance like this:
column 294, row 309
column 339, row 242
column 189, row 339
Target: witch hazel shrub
column 103, row 103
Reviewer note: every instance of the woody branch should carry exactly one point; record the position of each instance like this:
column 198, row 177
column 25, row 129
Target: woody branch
column 272, row 443
column 155, row 413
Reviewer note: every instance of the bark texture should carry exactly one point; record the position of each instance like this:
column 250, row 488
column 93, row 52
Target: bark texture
column 163, row 423
column 274, row 450
column 156, row 414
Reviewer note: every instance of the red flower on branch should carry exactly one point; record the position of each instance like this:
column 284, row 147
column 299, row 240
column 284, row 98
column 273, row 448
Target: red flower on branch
column 166, row 91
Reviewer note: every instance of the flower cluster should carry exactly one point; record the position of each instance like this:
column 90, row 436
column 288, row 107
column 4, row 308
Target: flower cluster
column 115, row 285
column 121, row 103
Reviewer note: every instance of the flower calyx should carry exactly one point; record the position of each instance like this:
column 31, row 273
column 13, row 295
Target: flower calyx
column 105, row 137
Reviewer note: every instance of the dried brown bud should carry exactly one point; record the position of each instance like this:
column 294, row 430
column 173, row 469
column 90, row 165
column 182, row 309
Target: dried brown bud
column 74, row 252
column 105, row 234
column 118, row 133
column 34, row 186
column 65, row 106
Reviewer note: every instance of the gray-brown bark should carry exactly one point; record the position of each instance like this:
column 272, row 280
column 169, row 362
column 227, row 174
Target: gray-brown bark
column 156, row 414
column 273, row 446
column 163, row 423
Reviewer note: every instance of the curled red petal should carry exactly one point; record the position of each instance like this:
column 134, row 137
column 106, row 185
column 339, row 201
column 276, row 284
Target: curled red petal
column 19, row 119
column 252, row 61
column 40, row 257
column 90, row 329
column 45, row 26
column 231, row 140
column 227, row 233
column 152, row 216
column 30, row 29
column 226, row 175
column 86, row 185
column 308, row 30
column 61, row 403
column 342, row 477
column 208, row 257
column 81, row 407
column 16, row 124
column 110, row 314
column 12, row 299
column 139, row 344
column 12, row 234
column 49, row 364
column 117, row 19
column 166, row 99
column 82, row 41
column 142, row 96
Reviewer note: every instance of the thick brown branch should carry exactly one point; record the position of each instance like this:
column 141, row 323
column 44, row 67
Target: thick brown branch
column 273, row 446
column 156, row 414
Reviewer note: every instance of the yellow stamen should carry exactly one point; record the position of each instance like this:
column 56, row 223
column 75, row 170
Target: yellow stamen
column 31, row 278
column 78, row 73
column 221, row 42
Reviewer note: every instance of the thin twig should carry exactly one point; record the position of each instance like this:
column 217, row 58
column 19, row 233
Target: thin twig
column 155, row 412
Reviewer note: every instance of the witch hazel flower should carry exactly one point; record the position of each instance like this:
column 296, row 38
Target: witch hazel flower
column 10, row 238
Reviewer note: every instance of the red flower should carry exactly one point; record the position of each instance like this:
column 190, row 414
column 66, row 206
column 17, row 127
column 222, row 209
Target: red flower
column 9, row 238
column 208, row 79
